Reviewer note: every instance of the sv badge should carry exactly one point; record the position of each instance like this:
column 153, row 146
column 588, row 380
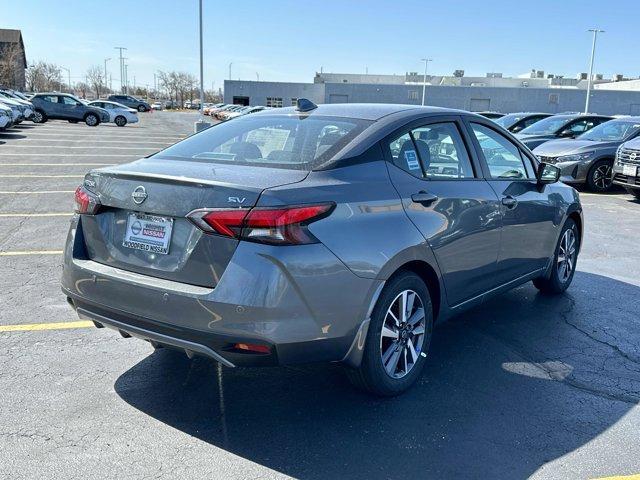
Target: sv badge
column 236, row 199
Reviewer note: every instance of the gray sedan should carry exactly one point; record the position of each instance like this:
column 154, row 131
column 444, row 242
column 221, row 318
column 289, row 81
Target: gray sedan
column 588, row 159
column 331, row 233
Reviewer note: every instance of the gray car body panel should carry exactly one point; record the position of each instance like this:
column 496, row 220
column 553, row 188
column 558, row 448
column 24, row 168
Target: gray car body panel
column 311, row 302
column 55, row 110
column 576, row 171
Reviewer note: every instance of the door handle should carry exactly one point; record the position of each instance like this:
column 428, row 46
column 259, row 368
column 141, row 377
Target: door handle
column 509, row 202
column 423, row 198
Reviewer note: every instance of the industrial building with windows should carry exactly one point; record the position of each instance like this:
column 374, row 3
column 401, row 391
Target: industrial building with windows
column 531, row 92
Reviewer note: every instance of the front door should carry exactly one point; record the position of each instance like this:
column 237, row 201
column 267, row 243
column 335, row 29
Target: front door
column 529, row 211
column 447, row 199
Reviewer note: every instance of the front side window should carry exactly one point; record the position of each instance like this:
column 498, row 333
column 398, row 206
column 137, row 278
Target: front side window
column 269, row 141
column 49, row 98
column 69, row 101
column 503, row 157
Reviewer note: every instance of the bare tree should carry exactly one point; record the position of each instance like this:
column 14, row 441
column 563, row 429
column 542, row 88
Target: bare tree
column 83, row 88
column 95, row 78
column 42, row 77
column 10, row 63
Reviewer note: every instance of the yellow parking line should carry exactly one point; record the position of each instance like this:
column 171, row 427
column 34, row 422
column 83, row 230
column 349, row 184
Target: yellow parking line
column 36, row 193
column 65, row 214
column 41, row 176
column 16, row 253
column 30, row 327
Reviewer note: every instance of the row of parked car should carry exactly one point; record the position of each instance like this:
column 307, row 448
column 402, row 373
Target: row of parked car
column 16, row 107
column 224, row 111
column 594, row 150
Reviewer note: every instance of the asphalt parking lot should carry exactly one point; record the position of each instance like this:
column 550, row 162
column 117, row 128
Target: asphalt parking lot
column 524, row 386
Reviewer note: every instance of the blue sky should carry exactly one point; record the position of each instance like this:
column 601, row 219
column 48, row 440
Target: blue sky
column 291, row 40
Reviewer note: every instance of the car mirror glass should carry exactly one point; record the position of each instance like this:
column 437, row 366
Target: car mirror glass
column 548, row 173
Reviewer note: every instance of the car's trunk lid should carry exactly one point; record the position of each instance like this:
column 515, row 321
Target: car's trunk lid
column 173, row 188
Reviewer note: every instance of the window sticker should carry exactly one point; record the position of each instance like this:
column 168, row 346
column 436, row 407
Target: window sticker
column 412, row 160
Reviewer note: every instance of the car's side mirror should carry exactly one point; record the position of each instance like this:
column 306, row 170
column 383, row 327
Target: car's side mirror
column 548, row 173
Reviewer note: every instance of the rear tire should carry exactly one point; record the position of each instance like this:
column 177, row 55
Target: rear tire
column 565, row 258
column 120, row 121
column 91, row 120
column 142, row 108
column 633, row 191
column 397, row 344
column 39, row 117
column 599, row 178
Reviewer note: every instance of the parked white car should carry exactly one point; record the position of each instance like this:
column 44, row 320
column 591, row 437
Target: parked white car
column 118, row 113
column 157, row 106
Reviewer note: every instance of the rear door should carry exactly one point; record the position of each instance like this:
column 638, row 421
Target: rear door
column 528, row 210
column 445, row 196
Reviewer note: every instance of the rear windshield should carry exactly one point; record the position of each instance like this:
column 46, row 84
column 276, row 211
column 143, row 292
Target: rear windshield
column 289, row 142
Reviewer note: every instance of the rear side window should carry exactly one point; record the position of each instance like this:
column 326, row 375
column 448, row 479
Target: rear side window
column 274, row 141
column 503, row 157
column 434, row 151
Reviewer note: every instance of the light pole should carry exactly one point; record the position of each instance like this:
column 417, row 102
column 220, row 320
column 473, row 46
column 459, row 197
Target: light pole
column 105, row 71
column 201, row 124
column 257, row 76
column 121, row 68
column 593, row 53
column 230, row 63
column 69, row 76
column 424, row 79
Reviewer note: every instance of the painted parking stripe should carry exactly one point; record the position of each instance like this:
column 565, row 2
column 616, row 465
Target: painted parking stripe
column 129, row 155
column 620, row 477
column 30, row 327
column 43, row 192
column 128, row 140
column 76, row 147
column 52, row 164
column 56, row 214
column 21, row 253
column 40, row 176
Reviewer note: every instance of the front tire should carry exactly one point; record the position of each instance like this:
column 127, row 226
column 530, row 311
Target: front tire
column 564, row 261
column 398, row 338
column 633, row 191
column 599, row 178
column 120, row 121
column 91, row 120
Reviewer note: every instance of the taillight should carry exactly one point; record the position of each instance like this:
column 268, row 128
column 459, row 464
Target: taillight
column 86, row 202
column 276, row 226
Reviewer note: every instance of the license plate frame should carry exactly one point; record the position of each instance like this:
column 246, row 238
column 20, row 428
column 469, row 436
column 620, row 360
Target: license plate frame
column 148, row 233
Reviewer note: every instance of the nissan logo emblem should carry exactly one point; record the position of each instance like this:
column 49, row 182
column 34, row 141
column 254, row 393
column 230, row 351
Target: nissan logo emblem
column 139, row 195
column 633, row 156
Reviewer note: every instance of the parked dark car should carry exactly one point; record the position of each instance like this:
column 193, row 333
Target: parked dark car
column 337, row 232
column 626, row 170
column 131, row 102
column 62, row 106
column 559, row 126
column 588, row 159
column 515, row 122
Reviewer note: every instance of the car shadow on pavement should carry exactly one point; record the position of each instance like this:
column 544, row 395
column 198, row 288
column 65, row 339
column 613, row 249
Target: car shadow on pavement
column 509, row 386
column 11, row 136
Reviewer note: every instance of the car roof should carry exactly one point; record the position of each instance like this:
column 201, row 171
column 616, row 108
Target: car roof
column 364, row 111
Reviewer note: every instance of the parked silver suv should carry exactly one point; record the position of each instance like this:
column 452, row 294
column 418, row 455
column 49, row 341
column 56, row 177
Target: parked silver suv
column 63, row 106
column 336, row 233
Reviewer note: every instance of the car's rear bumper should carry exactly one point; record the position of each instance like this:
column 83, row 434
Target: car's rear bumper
column 300, row 302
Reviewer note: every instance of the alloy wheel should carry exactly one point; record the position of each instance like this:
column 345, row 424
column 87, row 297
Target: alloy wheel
column 402, row 335
column 602, row 176
column 91, row 120
column 37, row 117
column 566, row 255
